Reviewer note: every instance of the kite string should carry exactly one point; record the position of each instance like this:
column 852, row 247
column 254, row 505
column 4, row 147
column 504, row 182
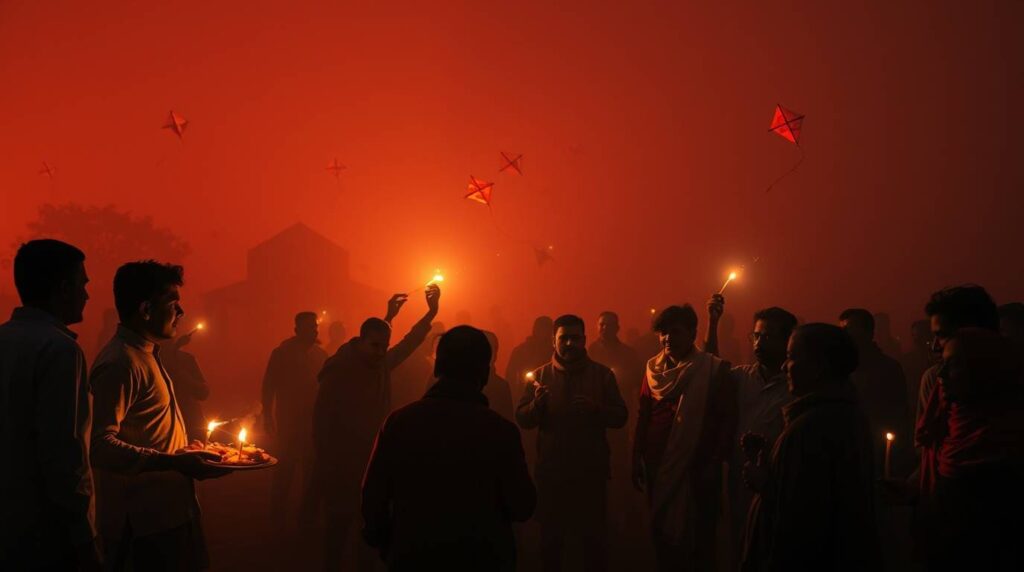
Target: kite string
column 789, row 172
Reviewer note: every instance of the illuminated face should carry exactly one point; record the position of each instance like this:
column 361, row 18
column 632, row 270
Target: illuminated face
column 677, row 339
column 161, row 314
column 942, row 331
column 803, row 371
column 608, row 327
column 570, row 343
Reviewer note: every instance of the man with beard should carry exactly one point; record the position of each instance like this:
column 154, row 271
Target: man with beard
column 353, row 400
column 684, row 433
column 289, row 391
column 761, row 390
column 572, row 401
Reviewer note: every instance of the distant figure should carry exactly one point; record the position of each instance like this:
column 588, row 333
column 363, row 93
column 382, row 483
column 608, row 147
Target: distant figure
column 882, row 389
column 918, row 359
column 534, row 352
column 1011, row 325
column 146, row 499
column 972, row 504
column 762, row 394
column 497, row 391
column 889, row 344
column 814, row 508
column 46, row 488
column 684, row 433
column 447, row 476
column 288, row 394
column 353, row 400
column 336, row 335
column 407, row 380
column 190, row 385
column 572, row 401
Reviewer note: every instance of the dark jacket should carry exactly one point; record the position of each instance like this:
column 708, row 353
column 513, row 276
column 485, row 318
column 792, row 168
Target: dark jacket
column 446, row 479
column 572, row 444
column 817, row 510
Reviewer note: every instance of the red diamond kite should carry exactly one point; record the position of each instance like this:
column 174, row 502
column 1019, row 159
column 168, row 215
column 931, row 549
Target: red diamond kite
column 480, row 191
column 176, row 123
column 47, row 170
column 515, row 163
column 336, row 168
column 787, row 124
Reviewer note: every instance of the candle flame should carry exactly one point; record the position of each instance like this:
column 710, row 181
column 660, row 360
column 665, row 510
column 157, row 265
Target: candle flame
column 529, row 376
column 241, row 437
column 732, row 276
column 214, row 424
column 889, row 436
column 438, row 277
column 653, row 311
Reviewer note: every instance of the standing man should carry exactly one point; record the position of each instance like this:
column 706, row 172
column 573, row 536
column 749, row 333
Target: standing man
column 46, row 488
column 573, row 401
column 459, row 518
column 684, row 434
column 761, row 393
column 814, row 508
column 147, row 507
column 881, row 386
column 918, row 359
column 352, row 402
column 289, row 392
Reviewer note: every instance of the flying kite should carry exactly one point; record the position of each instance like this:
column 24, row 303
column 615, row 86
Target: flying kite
column 480, row 191
column 336, row 168
column 543, row 255
column 176, row 123
column 514, row 163
column 47, row 170
column 787, row 124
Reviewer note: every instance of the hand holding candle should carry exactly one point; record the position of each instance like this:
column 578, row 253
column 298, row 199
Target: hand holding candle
column 887, row 472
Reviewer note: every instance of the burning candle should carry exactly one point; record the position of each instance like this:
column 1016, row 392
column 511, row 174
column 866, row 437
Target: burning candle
column 210, row 427
column 887, row 472
column 732, row 276
column 438, row 278
column 241, row 443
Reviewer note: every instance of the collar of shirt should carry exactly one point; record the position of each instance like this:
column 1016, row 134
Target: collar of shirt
column 134, row 339
column 770, row 382
column 29, row 314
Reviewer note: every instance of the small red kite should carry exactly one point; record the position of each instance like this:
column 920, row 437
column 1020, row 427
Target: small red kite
column 787, row 124
column 480, row 191
column 515, row 163
column 176, row 123
column 336, row 168
column 47, row 170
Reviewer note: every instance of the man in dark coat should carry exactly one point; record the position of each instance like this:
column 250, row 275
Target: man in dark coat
column 572, row 401
column 353, row 400
column 815, row 504
column 448, row 477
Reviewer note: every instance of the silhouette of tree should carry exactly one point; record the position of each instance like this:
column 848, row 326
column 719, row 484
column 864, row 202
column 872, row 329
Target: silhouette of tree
column 109, row 237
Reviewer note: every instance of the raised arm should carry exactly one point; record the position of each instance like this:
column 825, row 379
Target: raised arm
column 716, row 306
column 405, row 348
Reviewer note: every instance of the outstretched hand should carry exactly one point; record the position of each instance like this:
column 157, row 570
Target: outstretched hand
column 395, row 305
column 192, row 463
column 433, row 295
column 716, row 307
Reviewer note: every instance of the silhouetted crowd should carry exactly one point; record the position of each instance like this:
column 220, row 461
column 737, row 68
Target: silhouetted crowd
column 826, row 452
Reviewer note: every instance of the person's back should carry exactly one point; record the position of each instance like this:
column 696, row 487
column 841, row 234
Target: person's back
column 446, row 479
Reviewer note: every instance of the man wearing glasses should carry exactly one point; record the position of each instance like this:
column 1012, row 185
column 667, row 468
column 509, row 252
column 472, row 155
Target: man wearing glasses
column 761, row 390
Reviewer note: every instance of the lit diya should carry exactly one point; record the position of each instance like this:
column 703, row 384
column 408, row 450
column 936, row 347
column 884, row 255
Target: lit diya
column 240, row 455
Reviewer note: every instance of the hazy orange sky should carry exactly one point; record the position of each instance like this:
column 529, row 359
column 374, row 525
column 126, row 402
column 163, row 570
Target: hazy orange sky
column 644, row 127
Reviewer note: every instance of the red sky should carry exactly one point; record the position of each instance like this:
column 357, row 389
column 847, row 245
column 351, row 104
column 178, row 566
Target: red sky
column 643, row 126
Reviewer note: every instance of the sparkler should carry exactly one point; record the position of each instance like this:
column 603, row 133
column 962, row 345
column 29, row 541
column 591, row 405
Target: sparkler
column 732, row 276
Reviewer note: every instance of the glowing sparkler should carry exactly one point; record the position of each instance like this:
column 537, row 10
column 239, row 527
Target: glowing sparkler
column 732, row 276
